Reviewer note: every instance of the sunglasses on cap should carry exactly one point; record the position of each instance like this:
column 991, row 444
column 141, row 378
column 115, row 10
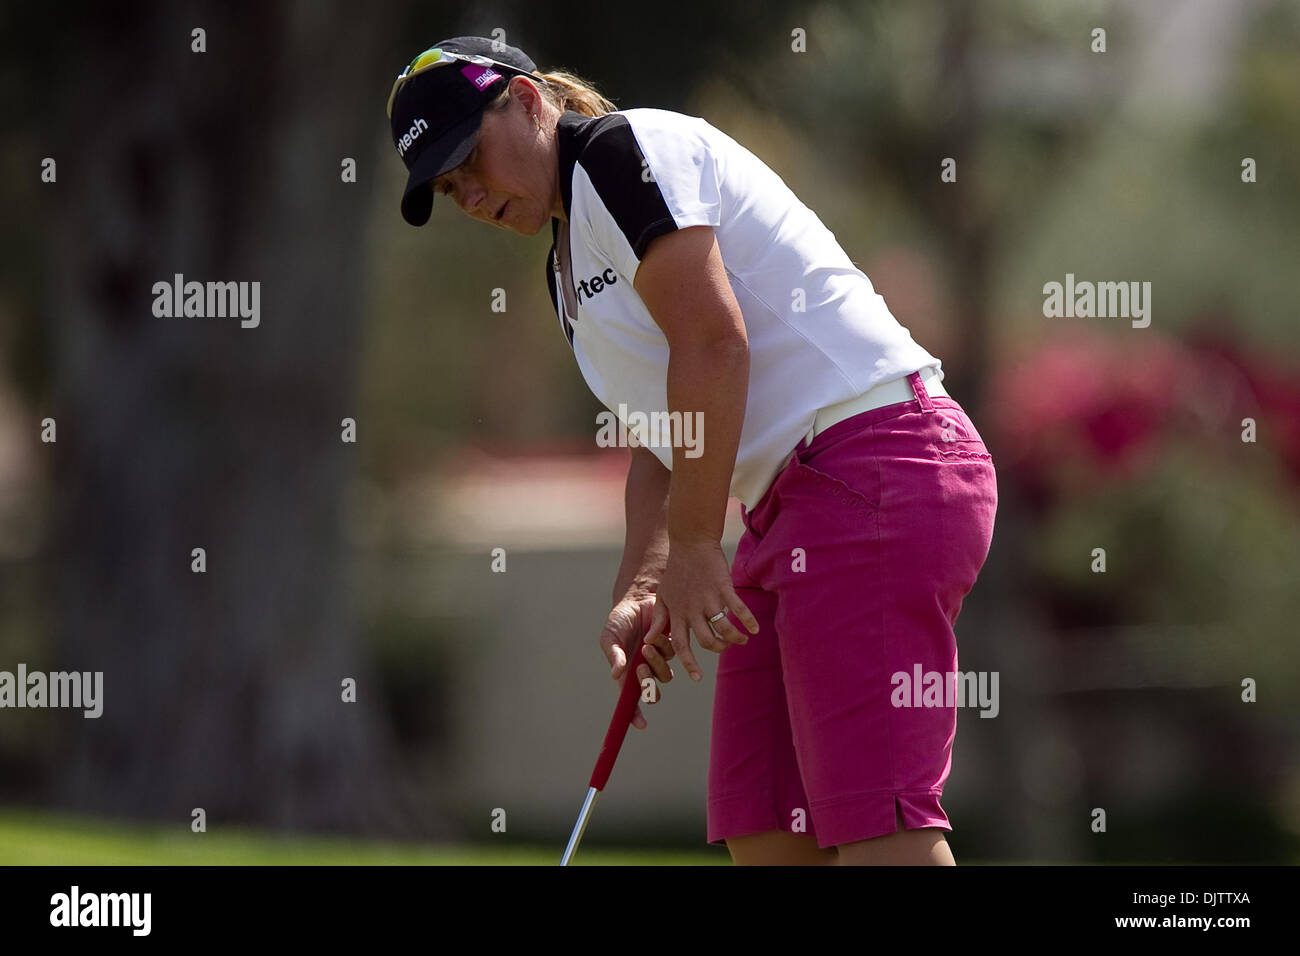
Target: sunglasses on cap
column 435, row 56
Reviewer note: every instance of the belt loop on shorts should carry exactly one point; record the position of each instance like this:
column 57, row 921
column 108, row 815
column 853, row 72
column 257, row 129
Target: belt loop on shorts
column 922, row 395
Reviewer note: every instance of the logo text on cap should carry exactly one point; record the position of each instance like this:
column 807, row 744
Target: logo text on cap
column 481, row 76
column 410, row 136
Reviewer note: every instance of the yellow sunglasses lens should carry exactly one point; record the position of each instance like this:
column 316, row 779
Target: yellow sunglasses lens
column 424, row 59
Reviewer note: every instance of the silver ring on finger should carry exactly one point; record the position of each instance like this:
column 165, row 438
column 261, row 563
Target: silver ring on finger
column 718, row 617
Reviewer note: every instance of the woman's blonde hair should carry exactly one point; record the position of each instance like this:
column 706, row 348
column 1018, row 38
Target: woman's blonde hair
column 565, row 91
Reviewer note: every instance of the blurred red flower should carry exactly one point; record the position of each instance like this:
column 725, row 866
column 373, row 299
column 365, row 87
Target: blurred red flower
column 1093, row 405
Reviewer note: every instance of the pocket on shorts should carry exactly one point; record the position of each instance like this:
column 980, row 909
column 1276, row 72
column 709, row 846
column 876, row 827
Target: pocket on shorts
column 958, row 439
column 853, row 485
column 963, row 449
column 847, row 469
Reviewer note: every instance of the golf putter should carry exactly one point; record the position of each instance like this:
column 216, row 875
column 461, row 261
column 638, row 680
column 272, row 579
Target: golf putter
column 623, row 712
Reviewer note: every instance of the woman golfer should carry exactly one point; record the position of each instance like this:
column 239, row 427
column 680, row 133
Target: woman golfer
column 691, row 282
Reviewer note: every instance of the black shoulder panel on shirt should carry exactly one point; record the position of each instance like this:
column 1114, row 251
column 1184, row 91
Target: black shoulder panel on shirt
column 616, row 166
column 550, row 282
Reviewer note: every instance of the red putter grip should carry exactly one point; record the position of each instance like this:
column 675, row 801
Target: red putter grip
column 622, row 720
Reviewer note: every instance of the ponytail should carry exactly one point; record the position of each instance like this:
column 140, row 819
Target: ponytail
column 564, row 91
column 570, row 92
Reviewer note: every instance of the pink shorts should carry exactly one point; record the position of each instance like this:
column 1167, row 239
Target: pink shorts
column 855, row 562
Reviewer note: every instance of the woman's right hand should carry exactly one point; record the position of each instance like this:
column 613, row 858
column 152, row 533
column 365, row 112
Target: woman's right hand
column 626, row 626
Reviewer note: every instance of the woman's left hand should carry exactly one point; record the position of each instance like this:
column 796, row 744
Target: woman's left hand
column 695, row 586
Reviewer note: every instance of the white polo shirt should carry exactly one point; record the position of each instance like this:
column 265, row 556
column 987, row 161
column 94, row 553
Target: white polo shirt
column 818, row 332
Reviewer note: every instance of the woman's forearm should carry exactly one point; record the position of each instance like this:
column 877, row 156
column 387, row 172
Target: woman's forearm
column 688, row 504
column 645, row 501
column 711, row 380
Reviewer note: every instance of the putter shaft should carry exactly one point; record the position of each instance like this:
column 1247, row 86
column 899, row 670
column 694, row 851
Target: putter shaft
column 618, row 725
column 576, row 836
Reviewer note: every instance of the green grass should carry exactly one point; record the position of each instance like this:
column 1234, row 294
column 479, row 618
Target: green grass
column 41, row 838
column 44, row 839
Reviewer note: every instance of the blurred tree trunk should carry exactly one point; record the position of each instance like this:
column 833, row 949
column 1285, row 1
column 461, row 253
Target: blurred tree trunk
column 222, row 689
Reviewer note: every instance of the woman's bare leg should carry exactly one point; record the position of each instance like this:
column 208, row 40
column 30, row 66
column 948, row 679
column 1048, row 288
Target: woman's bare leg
column 922, row 847
column 779, row 848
